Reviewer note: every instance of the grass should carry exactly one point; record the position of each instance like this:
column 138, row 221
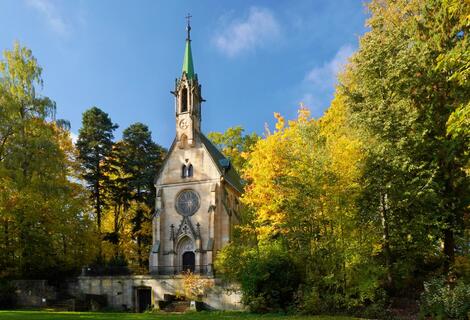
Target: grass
column 53, row 315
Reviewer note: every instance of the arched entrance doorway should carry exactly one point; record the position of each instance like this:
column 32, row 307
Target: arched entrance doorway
column 189, row 261
column 186, row 255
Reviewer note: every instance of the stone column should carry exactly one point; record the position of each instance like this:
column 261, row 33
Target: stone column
column 211, row 236
column 198, row 251
column 156, row 222
column 173, row 253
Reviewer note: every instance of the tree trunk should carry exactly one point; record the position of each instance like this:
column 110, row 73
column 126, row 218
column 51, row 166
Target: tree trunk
column 117, row 212
column 386, row 239
column 449, row 245
column 98, row 211
column 139, row 251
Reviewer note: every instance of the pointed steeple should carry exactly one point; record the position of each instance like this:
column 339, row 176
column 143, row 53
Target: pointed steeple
column 188, row 100
column 188, row 66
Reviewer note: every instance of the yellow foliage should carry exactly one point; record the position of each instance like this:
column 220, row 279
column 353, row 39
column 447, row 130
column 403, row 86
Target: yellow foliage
column 303, row 182
column 195, row 287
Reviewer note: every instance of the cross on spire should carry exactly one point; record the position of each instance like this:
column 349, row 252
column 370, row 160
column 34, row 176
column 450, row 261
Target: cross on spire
column 188, row 28
column 188, row 67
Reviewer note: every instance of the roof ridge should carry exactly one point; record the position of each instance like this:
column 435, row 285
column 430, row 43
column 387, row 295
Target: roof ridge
column 230, row 174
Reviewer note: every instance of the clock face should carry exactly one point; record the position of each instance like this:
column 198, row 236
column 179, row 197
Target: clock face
column 184, row 124
column 187, row 202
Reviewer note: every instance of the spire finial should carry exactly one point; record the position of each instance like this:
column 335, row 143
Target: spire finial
column 188, row 28
column 188, row 67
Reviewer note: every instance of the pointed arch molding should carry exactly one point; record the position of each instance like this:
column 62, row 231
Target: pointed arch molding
column 186, row 228
column 185, row 244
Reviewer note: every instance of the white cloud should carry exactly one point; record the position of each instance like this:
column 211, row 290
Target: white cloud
column 319, row 83
column 308, row 99
column 49, row 11
column 326, row 74
column 259, row 27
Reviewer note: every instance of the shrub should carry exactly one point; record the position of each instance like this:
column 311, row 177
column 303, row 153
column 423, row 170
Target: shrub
column 7, row 295
column 195, row 286
column 270, row 280
column 443, row 300
column 268, row 277
column 462, row 268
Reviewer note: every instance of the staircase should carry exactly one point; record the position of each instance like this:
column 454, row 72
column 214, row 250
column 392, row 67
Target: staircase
column 177, row 306
column 173, row 304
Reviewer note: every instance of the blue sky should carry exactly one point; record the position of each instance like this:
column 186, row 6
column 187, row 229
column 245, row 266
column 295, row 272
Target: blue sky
column 253, row 58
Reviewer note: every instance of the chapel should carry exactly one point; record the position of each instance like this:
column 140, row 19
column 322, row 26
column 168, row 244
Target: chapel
column 197, row 189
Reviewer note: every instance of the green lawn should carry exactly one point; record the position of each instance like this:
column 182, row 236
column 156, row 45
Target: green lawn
column 46, row 315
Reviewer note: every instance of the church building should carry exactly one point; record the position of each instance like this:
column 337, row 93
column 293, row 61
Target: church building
column 197, row 189
column 197, row 193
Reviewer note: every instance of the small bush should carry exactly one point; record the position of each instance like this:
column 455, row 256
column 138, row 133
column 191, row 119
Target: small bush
column 461, row 268
column 312, row 303
column 336, row 303
column 444, row 300
column 7, row 295
column 269, row 279
column 375, row 311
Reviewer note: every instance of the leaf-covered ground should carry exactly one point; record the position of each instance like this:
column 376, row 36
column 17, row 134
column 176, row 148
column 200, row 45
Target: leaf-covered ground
column 50, row 315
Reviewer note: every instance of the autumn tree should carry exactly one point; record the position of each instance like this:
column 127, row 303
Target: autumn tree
column 303, row 183
column 44, row 223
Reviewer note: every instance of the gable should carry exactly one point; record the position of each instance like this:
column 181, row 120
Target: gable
column 204, row 167
column 208, row 163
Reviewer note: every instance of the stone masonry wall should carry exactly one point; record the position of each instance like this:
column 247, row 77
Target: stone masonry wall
column 121, row 291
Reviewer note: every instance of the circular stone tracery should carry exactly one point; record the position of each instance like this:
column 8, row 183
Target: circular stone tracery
column 184, row 124
column 187, row 202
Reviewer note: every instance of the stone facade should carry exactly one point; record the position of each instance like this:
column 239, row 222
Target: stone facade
column 197, row 190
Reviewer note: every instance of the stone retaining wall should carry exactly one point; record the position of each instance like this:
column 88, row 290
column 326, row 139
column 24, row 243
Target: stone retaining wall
column 121, row 291
column 33, row 293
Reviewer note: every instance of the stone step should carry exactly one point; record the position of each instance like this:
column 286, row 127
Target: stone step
column 178, row 306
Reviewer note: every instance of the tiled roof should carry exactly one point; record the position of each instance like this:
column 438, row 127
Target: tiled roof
column 223, row 164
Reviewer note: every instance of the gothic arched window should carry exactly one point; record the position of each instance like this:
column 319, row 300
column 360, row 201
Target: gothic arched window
column 184, row 100
column 187, row 171
column 190, row 170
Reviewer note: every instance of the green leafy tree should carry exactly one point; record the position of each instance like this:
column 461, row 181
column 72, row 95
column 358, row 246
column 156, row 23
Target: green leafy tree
column 142, row 158
column 117, row 193
column 94, row 144
column 403, row 97
column 130, row 194
column 235, row 145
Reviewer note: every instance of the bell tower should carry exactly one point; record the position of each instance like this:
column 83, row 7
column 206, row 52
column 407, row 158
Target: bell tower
column 187, row 99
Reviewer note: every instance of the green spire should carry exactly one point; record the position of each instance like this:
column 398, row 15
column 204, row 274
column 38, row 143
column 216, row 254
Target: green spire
column 188, row 61
column 188, row 56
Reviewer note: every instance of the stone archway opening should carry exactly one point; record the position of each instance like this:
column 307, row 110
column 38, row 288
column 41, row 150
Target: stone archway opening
column 186, row 254
column 189, row 261
column 143, row 298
